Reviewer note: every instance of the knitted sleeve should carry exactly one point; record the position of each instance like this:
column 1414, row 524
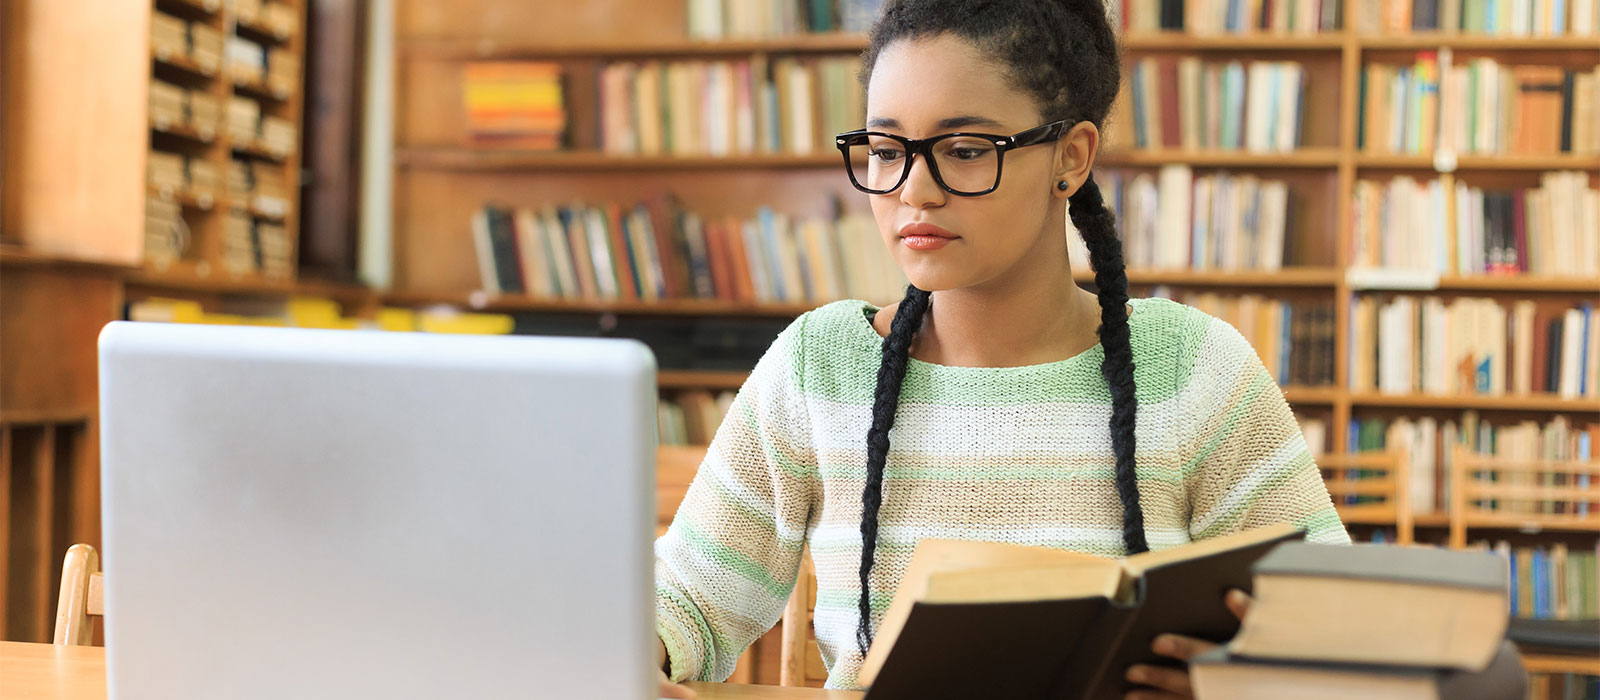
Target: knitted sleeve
column 726, row 566
column 1247, row 463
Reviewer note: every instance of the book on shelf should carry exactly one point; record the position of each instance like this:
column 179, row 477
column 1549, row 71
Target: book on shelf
column 770, row 105
column 1403, row 344
column 1429, row 444
column 656, row 251
column 691, row 417
column 746, row 19
column 513, row 104
column 1209, row 17
column 1478, row 105
column 1294, row 339
column 1542, row 18
column 1189, row 103
column 1172, row 219
column 1552, row 230
column 1050, row 623
column 1551, row 582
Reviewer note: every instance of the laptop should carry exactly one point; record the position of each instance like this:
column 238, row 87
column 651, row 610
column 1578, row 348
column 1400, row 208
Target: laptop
column 295, row 513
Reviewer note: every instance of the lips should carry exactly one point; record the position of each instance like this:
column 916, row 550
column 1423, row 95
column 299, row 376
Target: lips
column 925, row 236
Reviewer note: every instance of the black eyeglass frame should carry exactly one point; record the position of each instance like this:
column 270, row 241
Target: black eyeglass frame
column 1043, row 133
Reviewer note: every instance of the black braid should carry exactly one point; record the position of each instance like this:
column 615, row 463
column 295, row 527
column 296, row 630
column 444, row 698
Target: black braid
column 896, row 352
column 1063, row 53
column 1099, row 229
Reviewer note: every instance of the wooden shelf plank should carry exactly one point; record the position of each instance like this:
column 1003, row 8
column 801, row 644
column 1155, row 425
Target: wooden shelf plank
column 1545, row 662
column 1310, row 394
column 255, row 284
column 1180, row 41
column 1520, row 284
column 1537, row 403
column 671, row 307
column 1533, row 523
column 201, row 201
column 1480, row 42
column 700, row 379
column 489, row 160
column 185, row 133
column 259, row 32
column 1300, row 158
column 452, row 49
column 190, row 8
column 259, row 90
column 1503, row 162
column 186, row 66
column 256, row 150
column 1284, row 278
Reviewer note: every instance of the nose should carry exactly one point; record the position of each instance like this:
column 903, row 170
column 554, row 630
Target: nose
column 920, row 191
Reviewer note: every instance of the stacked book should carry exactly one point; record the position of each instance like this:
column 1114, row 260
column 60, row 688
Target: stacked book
column 719, row 108
column 244, row 120
column 1502, row 18
column 1206, row 17
column 1370, row 621
column 1184, row 102
column 513, row 104
column 170, row 173
column 169, row 36
column 169, row 105
column 1219, row 221
column 744, row 19
column 656, row 250
column 1478, row 105
column 1293, row 338
column 1551, row 230
column 205, row 46
column 277, row 135
column 165, row 233
column 279, row 18
column 1429, row 444
column 1473, row 346
column 238, row 247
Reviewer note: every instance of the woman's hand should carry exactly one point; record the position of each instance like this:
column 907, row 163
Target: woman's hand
column 1173, row 683
column 668, row 689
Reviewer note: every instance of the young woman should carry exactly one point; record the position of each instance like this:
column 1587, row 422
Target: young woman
column 997, row 401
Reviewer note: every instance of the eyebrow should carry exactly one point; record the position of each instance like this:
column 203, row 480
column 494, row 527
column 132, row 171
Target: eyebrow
column 949, row 123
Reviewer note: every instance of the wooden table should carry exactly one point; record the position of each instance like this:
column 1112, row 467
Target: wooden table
column 50, row 672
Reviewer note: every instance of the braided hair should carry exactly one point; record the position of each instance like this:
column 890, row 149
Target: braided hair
column 1064, row 54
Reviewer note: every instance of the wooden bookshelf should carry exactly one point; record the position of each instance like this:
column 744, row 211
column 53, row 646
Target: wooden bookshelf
column 1381, row 161
column 1231, row 43
column 1311, row 157
column 1537, row 404
column 445, row 158
column 456, row 49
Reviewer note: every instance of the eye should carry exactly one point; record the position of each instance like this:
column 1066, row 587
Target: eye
column 967, row 153
column 887, row 155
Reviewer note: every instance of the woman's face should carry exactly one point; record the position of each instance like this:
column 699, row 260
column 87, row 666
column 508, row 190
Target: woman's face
column 937, row 85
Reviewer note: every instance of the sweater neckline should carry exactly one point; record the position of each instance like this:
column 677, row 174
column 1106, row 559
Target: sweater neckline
column 1092, row 354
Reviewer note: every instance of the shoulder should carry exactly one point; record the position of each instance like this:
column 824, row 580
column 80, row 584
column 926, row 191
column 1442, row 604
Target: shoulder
column 824, row 336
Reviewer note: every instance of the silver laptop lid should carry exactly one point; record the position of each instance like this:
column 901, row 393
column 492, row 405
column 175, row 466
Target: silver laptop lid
column 294, row 513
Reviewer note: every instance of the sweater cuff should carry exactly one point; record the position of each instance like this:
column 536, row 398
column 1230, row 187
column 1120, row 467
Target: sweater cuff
column 680, row 650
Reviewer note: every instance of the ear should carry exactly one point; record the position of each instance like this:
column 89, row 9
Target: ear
column 1075, row 154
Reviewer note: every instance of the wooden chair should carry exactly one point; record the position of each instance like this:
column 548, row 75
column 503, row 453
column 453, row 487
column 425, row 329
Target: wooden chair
column 82, row 597
column 675, row 469
column 1387, row 479
column 1491, row 491
column 800, row 660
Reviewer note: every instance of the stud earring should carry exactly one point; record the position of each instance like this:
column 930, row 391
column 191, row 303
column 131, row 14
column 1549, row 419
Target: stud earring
column 1062, row 185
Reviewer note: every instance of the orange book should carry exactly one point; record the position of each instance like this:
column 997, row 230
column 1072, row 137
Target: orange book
column 743, row 288
column 627, row 277
column 717, row 251
column 1538, row 114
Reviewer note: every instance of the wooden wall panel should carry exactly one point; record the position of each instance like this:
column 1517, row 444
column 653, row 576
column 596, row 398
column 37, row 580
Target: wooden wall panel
column 75, row 157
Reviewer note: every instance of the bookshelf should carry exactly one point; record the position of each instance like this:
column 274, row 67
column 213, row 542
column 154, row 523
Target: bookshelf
column 439, row 183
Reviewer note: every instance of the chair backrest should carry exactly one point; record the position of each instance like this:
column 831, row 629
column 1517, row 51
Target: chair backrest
column 1371, row 488
column 675, row 469
column 1495, row 491
column 799, row 658
column 82, row 597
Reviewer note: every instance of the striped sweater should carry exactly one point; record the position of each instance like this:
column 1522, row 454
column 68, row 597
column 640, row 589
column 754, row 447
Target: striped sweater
column 1006, row 454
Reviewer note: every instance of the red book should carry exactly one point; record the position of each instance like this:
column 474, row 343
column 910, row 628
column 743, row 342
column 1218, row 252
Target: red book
column 621, row 260
column 1167, row 89
column 717, row 251
column 664, row 225
column 1541, row 349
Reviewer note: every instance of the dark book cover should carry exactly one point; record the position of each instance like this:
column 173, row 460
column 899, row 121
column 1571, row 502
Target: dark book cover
column 1552, row 379
column 1519, row 231
column 1072, row 649
column 1425, row 14
column 1567, row 109
column 1172, row 14
column 503, row 241
column 1540, row 354
column 663, row 224
column 623, row 261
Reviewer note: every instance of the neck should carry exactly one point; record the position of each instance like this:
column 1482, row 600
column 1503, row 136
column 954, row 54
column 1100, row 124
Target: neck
column 1031, row 314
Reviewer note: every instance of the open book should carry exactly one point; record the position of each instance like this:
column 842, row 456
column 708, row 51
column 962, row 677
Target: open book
column 983, row 619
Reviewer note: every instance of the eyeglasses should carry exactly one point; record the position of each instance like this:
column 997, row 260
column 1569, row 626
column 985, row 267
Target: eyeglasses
column 964, row 164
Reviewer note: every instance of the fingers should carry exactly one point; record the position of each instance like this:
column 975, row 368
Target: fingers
column 1180, row 647
column 1238, row 603
column 1165, row 682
